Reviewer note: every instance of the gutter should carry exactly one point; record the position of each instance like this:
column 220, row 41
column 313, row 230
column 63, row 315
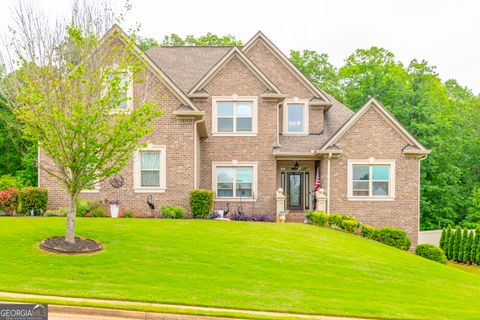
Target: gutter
column 195, row 146
column 328, row 182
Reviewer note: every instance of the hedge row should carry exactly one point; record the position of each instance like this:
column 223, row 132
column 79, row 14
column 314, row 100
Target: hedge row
column 390, row 236
column 29, row 200
column 343, row 222
column 461, row 245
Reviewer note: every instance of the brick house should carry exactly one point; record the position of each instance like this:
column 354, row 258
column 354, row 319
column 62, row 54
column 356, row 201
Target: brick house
column 243, row 121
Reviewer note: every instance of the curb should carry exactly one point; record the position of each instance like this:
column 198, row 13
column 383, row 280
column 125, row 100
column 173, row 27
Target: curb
column 89, row 311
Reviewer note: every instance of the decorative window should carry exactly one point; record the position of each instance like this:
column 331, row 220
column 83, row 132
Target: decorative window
column 93, row 187
column 150, row 169
column 126, row 95
column 234, row 116
column 237, row 181
column 295, row 117
column 371, row 180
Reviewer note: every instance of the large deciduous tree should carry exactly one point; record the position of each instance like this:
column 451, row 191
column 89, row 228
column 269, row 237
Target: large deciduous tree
column 68, row 86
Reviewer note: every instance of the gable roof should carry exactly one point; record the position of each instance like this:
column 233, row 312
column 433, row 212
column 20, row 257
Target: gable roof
column 259, row 36
column 188, row 64
column 235, row 52
column 116, row 30
column 374, row 103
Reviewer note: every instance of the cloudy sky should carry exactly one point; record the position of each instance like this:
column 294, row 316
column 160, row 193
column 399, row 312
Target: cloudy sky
column 445, row 33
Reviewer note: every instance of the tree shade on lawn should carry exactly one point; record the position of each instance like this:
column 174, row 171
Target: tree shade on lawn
column 281, row 267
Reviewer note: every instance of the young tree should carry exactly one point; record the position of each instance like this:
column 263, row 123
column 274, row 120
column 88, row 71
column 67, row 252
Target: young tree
column 68, row 86
column 451, row 244
column 463, row 245
column 477, row 253
column 443, row 238
column 457, row 245
column 473, row 249
column 468, row 247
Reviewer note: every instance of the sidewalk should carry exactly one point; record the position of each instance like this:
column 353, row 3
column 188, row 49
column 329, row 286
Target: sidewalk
column 176, row 313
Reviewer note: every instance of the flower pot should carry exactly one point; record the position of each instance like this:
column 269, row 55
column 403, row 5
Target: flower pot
column 114, row 210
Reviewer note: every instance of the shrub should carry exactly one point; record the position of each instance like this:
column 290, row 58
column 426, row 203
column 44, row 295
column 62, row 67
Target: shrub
column 335, row 220
column 350, row 226
column 172, row 212
column 319, row 218
column 9, row 200
column 431, row 252
column 128, row 214
column 442, row 239
column 258, row 217
column 7, row 181
column 61, row 212
column 393, row 237
column 446, row 245
column 367, row 231
column 201, row 202
column 32, row 199
column 457, row 244
column 98, row 212
column 475, row 244
column 84, row 207
column 468, row 247
column 451, row 244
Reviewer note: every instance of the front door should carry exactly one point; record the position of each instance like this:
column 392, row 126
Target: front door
column 295, row 190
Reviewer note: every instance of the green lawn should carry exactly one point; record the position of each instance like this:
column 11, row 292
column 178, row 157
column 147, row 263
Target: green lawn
column 262, row 266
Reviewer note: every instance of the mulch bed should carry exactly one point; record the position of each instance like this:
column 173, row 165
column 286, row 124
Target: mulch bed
column 81, row 245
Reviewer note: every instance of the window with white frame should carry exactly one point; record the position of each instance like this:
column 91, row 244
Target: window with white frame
column 126, row 94
column 234, row 182
column 371, row 179
column 150, row 169
column 295, row 117
column 234, row 115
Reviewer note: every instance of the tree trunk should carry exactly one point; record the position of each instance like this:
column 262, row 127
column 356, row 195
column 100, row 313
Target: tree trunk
column 72, row 212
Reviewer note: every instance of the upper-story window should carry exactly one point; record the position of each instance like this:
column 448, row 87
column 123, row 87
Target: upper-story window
column 295, row 117
column 234, row 116
column 371, row 179
column 126, row 94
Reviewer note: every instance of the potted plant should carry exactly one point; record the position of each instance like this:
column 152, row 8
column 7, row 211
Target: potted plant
column 114, row 208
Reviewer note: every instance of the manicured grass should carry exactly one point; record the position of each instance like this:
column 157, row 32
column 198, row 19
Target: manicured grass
column 261, row 266
column 475, row 269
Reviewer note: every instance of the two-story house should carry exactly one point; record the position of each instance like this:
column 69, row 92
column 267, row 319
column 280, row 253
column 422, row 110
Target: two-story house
column 243, row 122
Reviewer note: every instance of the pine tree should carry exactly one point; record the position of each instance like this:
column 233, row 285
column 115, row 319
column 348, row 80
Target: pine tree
column 468, row 247
column 451, row 242
column 473, row 250
column 463, row 244
column 457, row 244
column 477, row 255
column 443, row 238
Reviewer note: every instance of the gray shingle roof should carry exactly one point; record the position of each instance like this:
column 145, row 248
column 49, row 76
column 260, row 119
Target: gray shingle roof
column 186, row 65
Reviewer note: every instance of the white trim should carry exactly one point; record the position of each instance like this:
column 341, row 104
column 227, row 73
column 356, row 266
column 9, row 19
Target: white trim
column 372, row 102
column 306, row 116
column 234, row 52
column 163, row 170
column 371, row 162
column 236, row 164
column 235, row 98
column 285, row 61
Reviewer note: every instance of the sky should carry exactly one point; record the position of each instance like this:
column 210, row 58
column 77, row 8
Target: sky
column 445, row 33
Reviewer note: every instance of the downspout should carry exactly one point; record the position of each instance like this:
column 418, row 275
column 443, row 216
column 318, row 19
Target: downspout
column 278, row 125
column 328, row 182
column 195, row 146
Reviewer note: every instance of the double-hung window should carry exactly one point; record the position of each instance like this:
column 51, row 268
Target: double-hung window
column 371, row 180
column 125, row 86
column 234, row 182
column 234, row 116
column 295, row 117
column 150, row 169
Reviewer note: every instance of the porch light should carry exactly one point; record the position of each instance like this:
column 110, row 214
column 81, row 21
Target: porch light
column 296, row 165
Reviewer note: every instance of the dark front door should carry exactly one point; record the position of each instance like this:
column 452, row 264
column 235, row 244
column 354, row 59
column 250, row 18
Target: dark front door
column 295, row 190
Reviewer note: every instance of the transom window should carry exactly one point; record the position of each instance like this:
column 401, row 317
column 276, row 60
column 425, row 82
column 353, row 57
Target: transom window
column 237, row 182
column 295, row 117
column 372, row 180
column 234, row 116
column 150, row 169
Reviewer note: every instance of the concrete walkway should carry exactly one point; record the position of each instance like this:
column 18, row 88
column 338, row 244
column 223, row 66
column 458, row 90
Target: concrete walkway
column 69, row 312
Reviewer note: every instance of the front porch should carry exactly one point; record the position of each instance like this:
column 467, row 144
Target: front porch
column 296, row 177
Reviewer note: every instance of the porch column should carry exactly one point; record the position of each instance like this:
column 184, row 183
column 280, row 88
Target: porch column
column 280, row 201
column 321, row 200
